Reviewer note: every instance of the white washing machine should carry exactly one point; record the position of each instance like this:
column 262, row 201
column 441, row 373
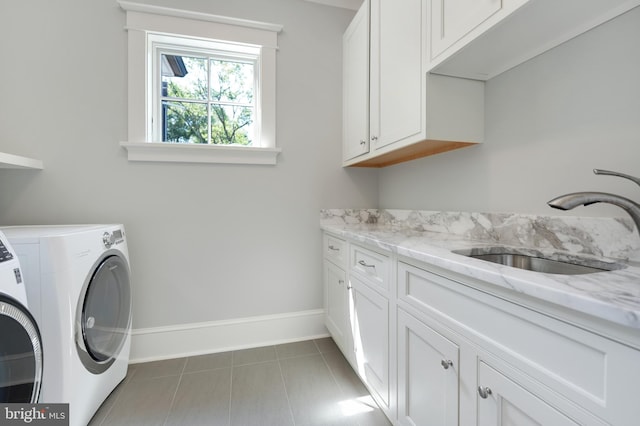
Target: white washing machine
column 20, row 345
column 78, row 290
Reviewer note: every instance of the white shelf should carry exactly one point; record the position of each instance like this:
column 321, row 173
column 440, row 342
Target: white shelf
column 10, row 161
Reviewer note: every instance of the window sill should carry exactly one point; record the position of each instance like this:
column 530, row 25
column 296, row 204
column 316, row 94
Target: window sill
column 196, row 153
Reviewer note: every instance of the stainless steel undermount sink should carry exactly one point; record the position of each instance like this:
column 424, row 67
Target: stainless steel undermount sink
column 538, row 262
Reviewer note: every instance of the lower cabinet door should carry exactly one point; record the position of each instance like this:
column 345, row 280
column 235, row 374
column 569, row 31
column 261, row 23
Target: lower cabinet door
column 371, row 338
column 428, row 375
column 503, row 402
column 336, row 305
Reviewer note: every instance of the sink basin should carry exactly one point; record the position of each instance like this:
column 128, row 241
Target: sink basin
column 537, row 262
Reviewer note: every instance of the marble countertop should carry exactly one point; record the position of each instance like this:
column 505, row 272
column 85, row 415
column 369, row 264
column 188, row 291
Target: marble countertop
column 611, row 295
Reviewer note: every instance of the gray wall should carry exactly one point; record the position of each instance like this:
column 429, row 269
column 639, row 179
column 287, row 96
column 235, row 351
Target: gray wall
column 207, row 242
column 213, row 242
column 549, row 122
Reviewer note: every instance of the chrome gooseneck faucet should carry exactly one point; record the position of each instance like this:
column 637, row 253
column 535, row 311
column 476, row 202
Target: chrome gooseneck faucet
column 569, row 201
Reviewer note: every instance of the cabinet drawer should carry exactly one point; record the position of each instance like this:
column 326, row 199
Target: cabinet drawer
column 334, row 249
column 583, row 366
column 372, row 265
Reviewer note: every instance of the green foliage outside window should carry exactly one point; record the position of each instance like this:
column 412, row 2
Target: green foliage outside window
column 217, row 110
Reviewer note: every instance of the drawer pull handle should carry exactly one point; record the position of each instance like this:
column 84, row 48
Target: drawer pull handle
column 363, row 263
column 340, row 282
column 334, row 248
column 484, row 392
column 446, row 363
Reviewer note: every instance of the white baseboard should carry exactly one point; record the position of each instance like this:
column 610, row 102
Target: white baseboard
column 152, row 344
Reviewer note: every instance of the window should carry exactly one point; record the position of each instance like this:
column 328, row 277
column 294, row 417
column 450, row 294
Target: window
column 204, row 92
column 201, row 87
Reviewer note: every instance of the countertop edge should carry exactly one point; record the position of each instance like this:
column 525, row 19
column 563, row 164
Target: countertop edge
column 616, row 299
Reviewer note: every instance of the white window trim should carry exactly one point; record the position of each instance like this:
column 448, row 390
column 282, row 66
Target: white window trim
column 143, row 18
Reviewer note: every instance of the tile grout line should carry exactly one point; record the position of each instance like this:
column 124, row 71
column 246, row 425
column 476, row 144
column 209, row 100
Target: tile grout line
column 233, row 366
column 286, row 392
column 333, row 376
column 324, row 359
column 173, row 398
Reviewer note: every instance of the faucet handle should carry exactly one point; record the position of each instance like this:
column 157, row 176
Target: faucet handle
column 622, row 175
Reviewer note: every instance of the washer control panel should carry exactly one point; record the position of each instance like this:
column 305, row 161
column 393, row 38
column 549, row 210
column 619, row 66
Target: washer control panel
column 111, row 238
column 5, row 254
column 9, row 264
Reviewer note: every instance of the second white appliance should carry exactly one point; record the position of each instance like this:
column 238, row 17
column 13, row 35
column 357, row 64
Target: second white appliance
column 78, row 289
column 20, row 345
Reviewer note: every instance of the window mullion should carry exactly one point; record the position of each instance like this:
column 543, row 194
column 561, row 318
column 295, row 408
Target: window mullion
column 209, row 101
column 185, row 100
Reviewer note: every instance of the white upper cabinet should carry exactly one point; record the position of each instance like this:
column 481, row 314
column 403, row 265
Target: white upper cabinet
column 355, row 74
column 392, row 110
column 413, row 70
column 480, row 39
column 452, row 19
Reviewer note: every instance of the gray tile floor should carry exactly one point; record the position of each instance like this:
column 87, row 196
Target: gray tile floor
column 302, row 383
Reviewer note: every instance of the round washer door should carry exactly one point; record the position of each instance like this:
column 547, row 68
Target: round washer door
column 20, row 354
column 104, row 314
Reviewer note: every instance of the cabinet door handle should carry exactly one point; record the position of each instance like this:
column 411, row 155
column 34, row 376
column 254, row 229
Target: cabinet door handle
column 374, row 138
column 340, row 282
column 363, row 142
column 334, row 248
column 484, row 391
column 363, row 263
column 446, row 363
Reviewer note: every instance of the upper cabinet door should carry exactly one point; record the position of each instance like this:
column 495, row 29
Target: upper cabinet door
column 452, row 19
column 397, row 75
column 480, row 39
column 355, row 85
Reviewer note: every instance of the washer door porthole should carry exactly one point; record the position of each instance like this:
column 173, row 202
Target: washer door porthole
column 20, row 354
column 104, row 314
